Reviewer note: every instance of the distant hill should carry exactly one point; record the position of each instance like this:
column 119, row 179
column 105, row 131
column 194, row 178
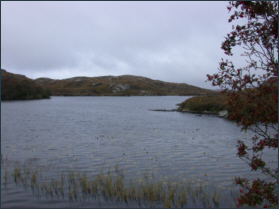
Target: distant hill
column 19, row 87
column 126, row 85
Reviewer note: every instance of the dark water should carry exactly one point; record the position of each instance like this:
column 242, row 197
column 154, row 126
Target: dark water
column 94, row 133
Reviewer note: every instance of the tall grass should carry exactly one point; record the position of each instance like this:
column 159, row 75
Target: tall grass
column 112, row 186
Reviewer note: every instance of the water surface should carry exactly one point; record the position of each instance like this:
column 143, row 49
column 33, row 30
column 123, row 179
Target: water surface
column 93, row 133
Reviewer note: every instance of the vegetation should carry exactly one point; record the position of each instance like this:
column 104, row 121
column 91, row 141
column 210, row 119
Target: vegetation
column 112, row 186
column 125, row 85
column 212, row 103
column 253, row 95
column 18, row 87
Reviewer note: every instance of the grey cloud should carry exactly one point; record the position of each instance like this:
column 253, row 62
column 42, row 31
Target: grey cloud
column 161, row 40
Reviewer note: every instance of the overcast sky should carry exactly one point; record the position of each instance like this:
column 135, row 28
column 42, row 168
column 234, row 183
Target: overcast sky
column 169, row 41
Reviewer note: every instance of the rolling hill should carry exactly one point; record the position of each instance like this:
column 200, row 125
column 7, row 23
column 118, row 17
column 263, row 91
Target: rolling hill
column 126, row 85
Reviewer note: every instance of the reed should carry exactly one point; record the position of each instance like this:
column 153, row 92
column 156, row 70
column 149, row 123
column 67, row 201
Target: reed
column 94, row 187
column 167, row 202
column 84, row 184
column 113, row 187
column 75, row 191
column 181, row 197
column 125, row 195
column 6, row 177
column 33, row 179
column 17, row 173
column 55, row 185
column 216, row 198
column 70, row 194
column 132, row 191
column 46, row 188
column 158, row 191
column 71, row 177
column 61, row 186
column 108, row 186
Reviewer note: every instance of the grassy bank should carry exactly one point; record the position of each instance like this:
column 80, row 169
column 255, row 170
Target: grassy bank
column 212, row 103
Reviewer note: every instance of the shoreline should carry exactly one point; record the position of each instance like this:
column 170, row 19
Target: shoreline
column 220, row 114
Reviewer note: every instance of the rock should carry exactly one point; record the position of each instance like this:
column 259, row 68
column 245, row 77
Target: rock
column 110, row 77
column 119, row 88
column 223, row 113
column 145, row 93
column 77, row 79
column 45, row 80
column 160, row 84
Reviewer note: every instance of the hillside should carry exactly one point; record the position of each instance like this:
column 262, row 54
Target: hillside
column 125, row 85
column 19, row 87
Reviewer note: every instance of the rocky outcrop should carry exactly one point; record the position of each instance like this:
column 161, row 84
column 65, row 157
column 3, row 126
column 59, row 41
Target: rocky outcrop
column 119, row 87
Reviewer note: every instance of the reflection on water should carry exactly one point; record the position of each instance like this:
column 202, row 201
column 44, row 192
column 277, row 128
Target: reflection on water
column 88, row 134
